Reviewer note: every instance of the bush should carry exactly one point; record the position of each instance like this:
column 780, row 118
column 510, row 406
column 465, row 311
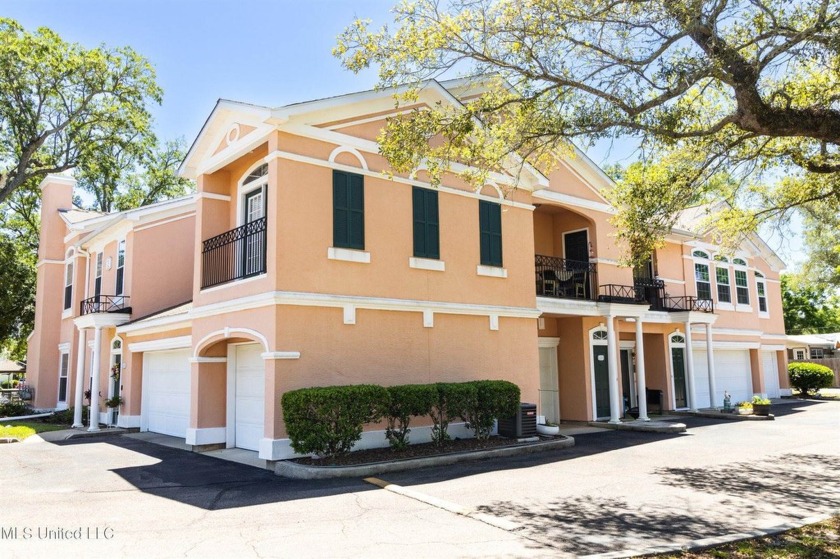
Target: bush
column 406, row 401
column 493, row 399
column 14, row 409
column 65, row 417
column 328, row 421
column 808, row 378
column 453, row 400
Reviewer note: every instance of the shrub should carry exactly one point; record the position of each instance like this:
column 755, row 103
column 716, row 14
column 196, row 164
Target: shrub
column 328, row 421
column 453, row 399
column 406, row 401
column 14, row 409
column 758, row 400
column 493, row 399
column 808, row 378
column 65, row 417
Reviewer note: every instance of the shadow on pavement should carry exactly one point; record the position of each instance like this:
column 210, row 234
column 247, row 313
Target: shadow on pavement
column 213, row 484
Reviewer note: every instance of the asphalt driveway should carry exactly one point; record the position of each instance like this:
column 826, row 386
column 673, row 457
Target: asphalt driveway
column 614, row 491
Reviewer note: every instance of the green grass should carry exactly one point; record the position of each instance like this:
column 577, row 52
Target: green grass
column 816, row 541
column 23, row 429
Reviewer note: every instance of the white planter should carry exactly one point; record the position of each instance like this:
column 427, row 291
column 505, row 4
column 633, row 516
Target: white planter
column 550, row 430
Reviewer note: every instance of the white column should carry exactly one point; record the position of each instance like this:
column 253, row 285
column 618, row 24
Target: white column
column 78, row 396
column 711, row 364
column 94, row 385
column 689, row 367
column 612, row 367
column 641, row 386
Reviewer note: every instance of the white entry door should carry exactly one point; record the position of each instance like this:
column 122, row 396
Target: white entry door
column 771, row 374
column 166, row 392
column 248, row 397
column 549, row 394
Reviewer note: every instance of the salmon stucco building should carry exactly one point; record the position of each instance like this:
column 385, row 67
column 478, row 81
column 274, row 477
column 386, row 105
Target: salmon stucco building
column 299, row 263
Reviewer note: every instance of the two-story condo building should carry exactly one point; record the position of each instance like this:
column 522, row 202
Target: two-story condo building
column 299, row 262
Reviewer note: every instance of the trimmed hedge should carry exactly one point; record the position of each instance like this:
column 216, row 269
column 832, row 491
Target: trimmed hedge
column 407, row 400
column 453, row 401
column 493, row 399
column 808, row 378
column 14, row 409
column 328, row 421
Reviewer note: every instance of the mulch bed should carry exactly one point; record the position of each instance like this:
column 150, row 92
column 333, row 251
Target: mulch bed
column 423, row 450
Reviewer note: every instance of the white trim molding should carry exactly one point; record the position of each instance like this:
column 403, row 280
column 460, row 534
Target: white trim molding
column 348, row 255
column 179, row 342
column 206, row 435
column 427, row 264
column 548, row 342
column 280, row 355
column 491, row 271
column 574, row 201
column 228, row 332
column 207, row 359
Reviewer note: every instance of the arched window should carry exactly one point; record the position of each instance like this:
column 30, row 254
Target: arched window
column 739, row 261
column 256, row 174
column 677, row 339
column 720, row 258
column 599, row 335
column 252, row 194
column 700, row 254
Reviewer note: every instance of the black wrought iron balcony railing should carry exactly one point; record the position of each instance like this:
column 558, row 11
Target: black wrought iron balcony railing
column 615, row 293
column 105, row 304
column 236, row 254
column 686, row 303
column 565, row 279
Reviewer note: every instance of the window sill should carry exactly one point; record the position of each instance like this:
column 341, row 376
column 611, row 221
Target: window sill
column 491, row 271
column 724, row 306
column 66, row 313
column 743, row 308
column 348, row 255
column 763, row 314
column 427, row 264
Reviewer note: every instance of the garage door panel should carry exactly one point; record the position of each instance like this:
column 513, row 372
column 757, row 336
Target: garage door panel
column 732, row 374
column 167, row 399
column 250, row 397
column 771, row 374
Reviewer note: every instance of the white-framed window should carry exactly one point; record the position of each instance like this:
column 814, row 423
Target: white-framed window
column 63, row 376
column 701, row 274
column 799, row 354
column 119, row 288
column 252, row 193
column 817, row 353
column 97, row 282
column 724, row 289
column 761, row 289
column 68, row 279
column 742, row 290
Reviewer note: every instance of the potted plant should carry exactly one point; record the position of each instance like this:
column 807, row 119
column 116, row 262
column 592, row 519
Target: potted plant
column 745, row 408
column 546, row 427
column 25, row 391
column 114, row 401
column 760, row 405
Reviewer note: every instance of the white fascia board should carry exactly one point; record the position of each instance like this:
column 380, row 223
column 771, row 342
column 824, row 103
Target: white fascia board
column 179, row 342
column 234, row 151
column 369, row 303
column 575, row 201
column 156, row 325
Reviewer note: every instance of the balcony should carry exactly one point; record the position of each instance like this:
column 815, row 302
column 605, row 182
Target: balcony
column 234, row 255
column 564, row 279
column 651, row 292
column 105, row 304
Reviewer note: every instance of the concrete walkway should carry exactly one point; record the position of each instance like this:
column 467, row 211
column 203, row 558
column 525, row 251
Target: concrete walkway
column 613, row 494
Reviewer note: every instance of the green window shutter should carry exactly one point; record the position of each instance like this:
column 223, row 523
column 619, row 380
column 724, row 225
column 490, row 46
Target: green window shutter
column 490, row 232
column 426, row 227
column 348, row 210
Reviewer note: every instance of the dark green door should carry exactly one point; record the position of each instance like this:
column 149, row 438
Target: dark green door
column 678, row 363
column 626, row 380
column 602, row 381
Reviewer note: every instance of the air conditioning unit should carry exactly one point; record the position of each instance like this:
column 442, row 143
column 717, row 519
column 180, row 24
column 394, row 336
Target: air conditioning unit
column 522, row 425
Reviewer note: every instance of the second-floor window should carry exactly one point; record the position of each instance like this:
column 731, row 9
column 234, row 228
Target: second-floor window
column 63, row 370
column 741, row 288
column 426, row 226
column 701, row 275
column 120, row 268
column 490, row 230
column 68, row 285
column 348, row 210
column 97, row 281
column 723, row 287
column 761, row 288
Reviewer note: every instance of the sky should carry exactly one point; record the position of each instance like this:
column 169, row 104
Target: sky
column 258, row 51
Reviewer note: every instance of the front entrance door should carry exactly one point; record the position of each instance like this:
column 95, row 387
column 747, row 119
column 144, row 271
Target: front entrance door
column 549, row 394
column 628, row 385
column 602, row 381
column 678, row 366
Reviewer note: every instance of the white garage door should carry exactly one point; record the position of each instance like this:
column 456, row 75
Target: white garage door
column 732, row 374
column 166, row 382
column 249, row 397
column 771, row 374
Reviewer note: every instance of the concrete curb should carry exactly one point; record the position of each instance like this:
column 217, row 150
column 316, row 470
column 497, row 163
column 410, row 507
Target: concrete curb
column 67, row 434
column 720, row 415
column 643, row 426
column 705, row 543
column 294, row 470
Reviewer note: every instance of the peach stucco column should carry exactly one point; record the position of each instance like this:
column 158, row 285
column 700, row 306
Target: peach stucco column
column 612, row 367
column 94, row 385
column 641, row 386
column 78, row 396
column 689, row 367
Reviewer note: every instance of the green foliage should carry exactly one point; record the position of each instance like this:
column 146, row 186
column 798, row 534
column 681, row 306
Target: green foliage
column 492, row 399
column 328, row 421
column 114, row 401
column 15, row 409
column 9, row 383
column 808, row 378
column 757, row 400
column 61, row 103
column 407, row 401
column 809, row 308
column 65, row 417
column 453, row 400
column 733, row 104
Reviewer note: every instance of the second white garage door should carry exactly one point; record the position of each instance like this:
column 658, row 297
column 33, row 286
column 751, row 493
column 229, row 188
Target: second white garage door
column 166, row 402
column 771, row 374
column 249, row 397
column 732, row 374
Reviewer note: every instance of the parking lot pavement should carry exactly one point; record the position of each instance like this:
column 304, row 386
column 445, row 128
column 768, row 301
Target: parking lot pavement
column 613, row 491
